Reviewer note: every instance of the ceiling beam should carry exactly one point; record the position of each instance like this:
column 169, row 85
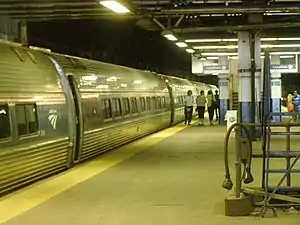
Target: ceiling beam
column 45, row 4
column 230, row 9
column 236, row 27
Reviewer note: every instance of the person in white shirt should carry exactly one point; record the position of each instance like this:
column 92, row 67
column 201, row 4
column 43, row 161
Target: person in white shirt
column 201, row 102
column 188, row 109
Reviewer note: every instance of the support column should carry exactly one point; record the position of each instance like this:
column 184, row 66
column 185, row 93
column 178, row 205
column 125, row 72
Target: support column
column 244, row 76
column 224, row 90
column 13, row 30
column 23, row 32
column 249, row 68
column 276, row 88
column 258, row 75
column 8, row 29
column 233, row 83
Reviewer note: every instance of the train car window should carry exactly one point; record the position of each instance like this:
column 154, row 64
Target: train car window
column 167, row 102
column 5, row 131
column 133, row 105
column 116, row 107
column 154, row 103
column 27, row 119
column 143, row 104
column 92, row 113
column 163, row 102
column 126, row 106
column 178, row 101
column 181, row 100
column 158, row 102
column 148, row 102
column 106, row 108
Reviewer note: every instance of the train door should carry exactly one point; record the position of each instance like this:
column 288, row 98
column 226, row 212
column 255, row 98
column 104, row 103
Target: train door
column 79, row 120
column 71, row 114
column 172, row 105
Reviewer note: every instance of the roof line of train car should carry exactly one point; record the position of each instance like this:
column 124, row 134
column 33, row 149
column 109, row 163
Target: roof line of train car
column 48, row 51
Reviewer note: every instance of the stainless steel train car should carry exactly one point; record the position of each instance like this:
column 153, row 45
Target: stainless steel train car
column 58, row 110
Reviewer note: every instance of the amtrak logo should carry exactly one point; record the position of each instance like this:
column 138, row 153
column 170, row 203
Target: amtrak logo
column 53, row 118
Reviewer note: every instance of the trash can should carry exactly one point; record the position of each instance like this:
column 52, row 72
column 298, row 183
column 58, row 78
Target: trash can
column 231, row 118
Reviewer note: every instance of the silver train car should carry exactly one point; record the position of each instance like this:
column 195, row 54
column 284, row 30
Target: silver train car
column 58, row 110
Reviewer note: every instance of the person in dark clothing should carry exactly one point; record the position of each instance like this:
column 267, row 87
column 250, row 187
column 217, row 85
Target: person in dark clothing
column 210, row 106
column 217, row 105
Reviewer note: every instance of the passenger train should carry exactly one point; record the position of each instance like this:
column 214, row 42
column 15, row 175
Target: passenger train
column 58, row 110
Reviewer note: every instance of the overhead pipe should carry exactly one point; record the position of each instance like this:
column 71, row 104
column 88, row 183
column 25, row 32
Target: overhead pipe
column 236, row 27
column 50, row 10
column 231, row 9
column 40, row 4
column 45, row 17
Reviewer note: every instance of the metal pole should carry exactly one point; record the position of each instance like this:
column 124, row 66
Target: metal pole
column 252, row 56
column 288, row 159
column 238, row 163
column 238, row 159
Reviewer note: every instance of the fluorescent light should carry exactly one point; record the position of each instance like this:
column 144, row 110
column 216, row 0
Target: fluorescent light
column 286, row 56
column 235, row 46
column 202, row 59
column 114, row 6
column 213, row 57
column 233, row 57
column 236, row 40
column 219, row 54
column 281, row 46
column 211, row 40
column 217, row 47
column 281, row 39
column 181, row 44
column 282, row 53
column 203, row 40
column 170, row 37
column 190, row 50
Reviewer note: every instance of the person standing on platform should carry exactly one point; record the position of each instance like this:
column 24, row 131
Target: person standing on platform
column 296, row 103
column 210, row 106
column 217, row 105
column 188, row 109
column 289, row 104
column 201, row 101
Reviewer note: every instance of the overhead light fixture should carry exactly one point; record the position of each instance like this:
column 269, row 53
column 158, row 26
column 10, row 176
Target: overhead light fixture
column 213, row 57
column 114, row 6
column 202, row 59
column 181, row 44
column 170, row 37
column 211, row 40
column 281, row 39
column 281, row 46
column 236, row 40
column 286, row 56
column 233, row 57
column 219, row 54
column 190, row 50
column 217, row 47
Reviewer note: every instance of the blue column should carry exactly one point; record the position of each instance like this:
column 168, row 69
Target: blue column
column 276, row 89
column 258, row 83
column 276, row 98
column 224, row 97
column 244, row 77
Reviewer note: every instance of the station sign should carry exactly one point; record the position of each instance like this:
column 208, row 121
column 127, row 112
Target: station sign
column 283, row 68
column 211, row 69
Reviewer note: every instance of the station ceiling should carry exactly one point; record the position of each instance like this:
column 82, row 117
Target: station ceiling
column 185, row 19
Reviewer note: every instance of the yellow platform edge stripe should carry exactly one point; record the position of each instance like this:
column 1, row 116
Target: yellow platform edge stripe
column 25, row 199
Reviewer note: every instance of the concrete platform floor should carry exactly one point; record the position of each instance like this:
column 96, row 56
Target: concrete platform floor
column 175, row 182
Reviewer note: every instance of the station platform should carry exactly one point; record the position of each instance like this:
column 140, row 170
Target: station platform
column 172, row 177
